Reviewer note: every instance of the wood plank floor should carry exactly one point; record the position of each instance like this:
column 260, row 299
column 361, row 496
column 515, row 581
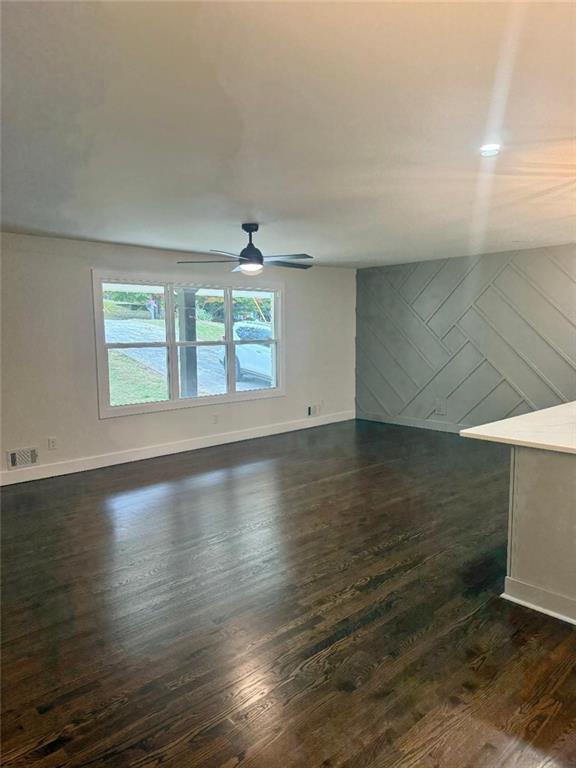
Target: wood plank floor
column 321, row 599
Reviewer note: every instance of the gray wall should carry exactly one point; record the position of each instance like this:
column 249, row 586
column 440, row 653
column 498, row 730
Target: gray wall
column 460, row 342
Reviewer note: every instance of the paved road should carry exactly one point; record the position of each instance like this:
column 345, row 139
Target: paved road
column 211, row 375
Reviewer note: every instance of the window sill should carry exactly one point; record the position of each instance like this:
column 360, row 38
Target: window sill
column 109, row 412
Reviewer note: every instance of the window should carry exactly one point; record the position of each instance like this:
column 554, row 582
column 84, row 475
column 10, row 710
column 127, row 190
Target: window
column 172, row 345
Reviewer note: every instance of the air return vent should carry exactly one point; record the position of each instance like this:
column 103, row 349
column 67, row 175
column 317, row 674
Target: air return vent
column 22, row 457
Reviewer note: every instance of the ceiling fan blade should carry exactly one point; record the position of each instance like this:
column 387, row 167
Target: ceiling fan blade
column 288, row 264
column 206, row 261
column 288, row 256
column 224, row 253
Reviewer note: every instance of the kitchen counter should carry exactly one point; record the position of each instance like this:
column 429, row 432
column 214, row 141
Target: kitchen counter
column 541, row 571
column 552, row 429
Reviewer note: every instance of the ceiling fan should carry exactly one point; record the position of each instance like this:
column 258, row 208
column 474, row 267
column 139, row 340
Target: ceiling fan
column 251, row 260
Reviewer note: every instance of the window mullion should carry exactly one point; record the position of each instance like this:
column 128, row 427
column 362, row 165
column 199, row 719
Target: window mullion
column 228, row 336
column 171, row 342
column 278, row 334
column 135, row 344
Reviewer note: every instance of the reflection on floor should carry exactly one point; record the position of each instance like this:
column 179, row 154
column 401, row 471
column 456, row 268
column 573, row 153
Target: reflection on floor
column 317, row 599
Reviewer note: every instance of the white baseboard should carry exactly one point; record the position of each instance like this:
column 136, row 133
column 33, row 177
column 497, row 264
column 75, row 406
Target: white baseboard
column 438, row 426
column 538, row 599
column 25, row 474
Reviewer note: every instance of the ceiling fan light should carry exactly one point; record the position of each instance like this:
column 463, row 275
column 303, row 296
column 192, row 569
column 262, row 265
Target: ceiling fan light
column 251, row 268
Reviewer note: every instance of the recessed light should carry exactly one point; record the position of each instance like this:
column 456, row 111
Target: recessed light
column 490, row 150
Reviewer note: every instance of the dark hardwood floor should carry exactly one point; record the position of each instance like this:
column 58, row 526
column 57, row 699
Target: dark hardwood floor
column 322, row 599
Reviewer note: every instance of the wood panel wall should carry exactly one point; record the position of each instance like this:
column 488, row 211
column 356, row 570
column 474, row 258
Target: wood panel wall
column 460, row 342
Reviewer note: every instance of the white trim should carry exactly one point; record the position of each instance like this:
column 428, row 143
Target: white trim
column 438, row 426
column 526, row 604
column 228, row 337
column 106, row 411
column 538, row 599
column 25, row 474
column 171, row 359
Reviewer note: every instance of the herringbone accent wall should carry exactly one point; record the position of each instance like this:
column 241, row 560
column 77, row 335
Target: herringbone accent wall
column 460, row 342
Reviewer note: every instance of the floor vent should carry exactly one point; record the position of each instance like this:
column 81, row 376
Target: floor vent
column 22, row 457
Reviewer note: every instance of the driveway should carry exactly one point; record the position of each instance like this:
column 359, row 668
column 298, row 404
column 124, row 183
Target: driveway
column 211, row 378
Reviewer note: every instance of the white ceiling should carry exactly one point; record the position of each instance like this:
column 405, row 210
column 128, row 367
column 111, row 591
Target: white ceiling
column 350, row 130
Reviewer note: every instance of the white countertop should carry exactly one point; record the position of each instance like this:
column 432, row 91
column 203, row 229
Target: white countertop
column 552, row 429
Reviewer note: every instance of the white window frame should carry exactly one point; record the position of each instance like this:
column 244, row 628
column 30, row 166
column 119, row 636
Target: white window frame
column 174, row 402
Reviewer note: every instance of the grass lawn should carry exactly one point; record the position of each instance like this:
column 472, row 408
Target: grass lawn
column 206, row 330
column 131, row 382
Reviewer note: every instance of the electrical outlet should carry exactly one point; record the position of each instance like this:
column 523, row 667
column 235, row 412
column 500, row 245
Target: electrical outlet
column 441, row 406
column 51, row 443
column 313, row 410
column 215, row 418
